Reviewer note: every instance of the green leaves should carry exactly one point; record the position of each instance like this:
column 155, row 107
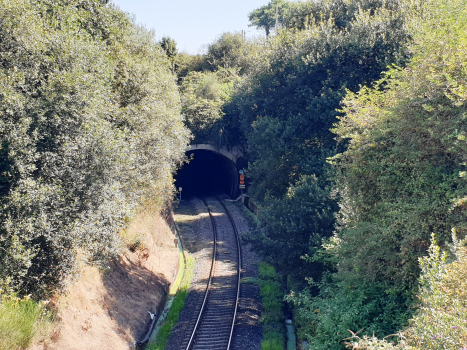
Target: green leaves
column 90, row 128
column 399, row 181
column 203, row 96
column 265, row 16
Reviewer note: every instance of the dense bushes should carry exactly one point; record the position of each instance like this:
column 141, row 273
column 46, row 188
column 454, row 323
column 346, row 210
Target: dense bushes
column 272, row 319
column 284, row 109
column 203, row 95
column 353, row 168
column 399, row 173
column 439, row 322
column 400, row 179
column 90, row 129
column 296, row 226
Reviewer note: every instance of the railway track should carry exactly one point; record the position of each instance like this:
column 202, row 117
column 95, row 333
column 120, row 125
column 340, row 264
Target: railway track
column 215, row 322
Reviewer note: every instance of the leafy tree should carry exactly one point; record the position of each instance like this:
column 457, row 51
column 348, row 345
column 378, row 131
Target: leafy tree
column 297, row 84
column 230, row 51
column 186, row 63
column 408, row 132
column 203, row 96
column 87, row 135
column 170, row 47
column 296, row 226
column 305, row 14
column 265, row 16
column 400, row 179
column 291, row 100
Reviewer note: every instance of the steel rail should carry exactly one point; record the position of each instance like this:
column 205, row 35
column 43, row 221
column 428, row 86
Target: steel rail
column 206, row 295
column 239, row 268
column 214, row 251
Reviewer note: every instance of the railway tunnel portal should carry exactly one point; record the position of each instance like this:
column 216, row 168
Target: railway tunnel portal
column 210, row 170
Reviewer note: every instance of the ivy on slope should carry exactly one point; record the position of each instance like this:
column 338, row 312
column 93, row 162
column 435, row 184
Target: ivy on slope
column 90, row 128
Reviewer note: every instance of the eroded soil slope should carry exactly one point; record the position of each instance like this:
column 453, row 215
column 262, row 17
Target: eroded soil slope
column 109, row 311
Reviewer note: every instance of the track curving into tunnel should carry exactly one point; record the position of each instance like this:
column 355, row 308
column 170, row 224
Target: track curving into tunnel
column 216, row 318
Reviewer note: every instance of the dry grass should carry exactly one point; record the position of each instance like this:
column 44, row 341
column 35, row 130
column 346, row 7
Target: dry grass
column 109, row 311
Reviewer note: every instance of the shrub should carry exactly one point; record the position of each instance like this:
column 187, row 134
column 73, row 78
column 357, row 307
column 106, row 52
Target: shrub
column 441, row 319
column 90, row 129
column 272, row 344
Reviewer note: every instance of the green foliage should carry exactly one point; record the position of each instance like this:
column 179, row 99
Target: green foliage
column 230, row 51
column 272, row 294
column 302, row 15
column 176, row 308
column 203, row 96
column 89, row 130
column 265, row 16
column 441, row 317
column 440, row 320
column 372, row 343
column 271, row 315
column 399, row 180
column 324, row 320
column 294, row 227
column 21, row 320
column 285, row 108
column 298, row 81
column 401, row 176
column 271, row 344
column 169, row 46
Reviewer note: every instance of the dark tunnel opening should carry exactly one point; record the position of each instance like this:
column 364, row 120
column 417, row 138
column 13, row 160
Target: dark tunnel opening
column 207, row 173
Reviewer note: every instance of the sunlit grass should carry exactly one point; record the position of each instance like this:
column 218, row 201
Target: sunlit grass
column 177, row 306
column 21, row 321
column 271, row 344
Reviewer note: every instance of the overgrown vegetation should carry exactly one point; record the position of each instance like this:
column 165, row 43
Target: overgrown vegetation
column 177, row 306
column 353, row 114
column 22, row 319
column 90, row 129
column 271, row 292
column 406, row 139
column 440, row 320
column 271, row 314
column 285, row 107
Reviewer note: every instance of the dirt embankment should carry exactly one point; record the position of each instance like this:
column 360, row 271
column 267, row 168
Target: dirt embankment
column 109, row 311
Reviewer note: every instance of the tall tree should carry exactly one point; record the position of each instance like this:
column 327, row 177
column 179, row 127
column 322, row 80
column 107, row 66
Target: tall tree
column 87, row 135
column 264, row 17
column 170, row 47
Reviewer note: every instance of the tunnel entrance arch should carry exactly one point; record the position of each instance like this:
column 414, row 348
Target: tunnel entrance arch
column 210, row 170
column 233, row 154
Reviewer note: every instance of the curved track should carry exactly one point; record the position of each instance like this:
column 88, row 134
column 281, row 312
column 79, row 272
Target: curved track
column 215, row 323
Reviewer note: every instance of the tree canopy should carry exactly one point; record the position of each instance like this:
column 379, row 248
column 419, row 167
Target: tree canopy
column 90, row 129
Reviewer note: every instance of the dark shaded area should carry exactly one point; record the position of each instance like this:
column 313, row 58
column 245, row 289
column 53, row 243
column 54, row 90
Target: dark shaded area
column 207, row 173
column 126, row 277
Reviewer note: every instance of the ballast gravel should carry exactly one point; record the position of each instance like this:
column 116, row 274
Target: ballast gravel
column 197, row 240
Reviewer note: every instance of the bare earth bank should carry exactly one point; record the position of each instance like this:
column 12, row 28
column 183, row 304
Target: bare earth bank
column 109, row 311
